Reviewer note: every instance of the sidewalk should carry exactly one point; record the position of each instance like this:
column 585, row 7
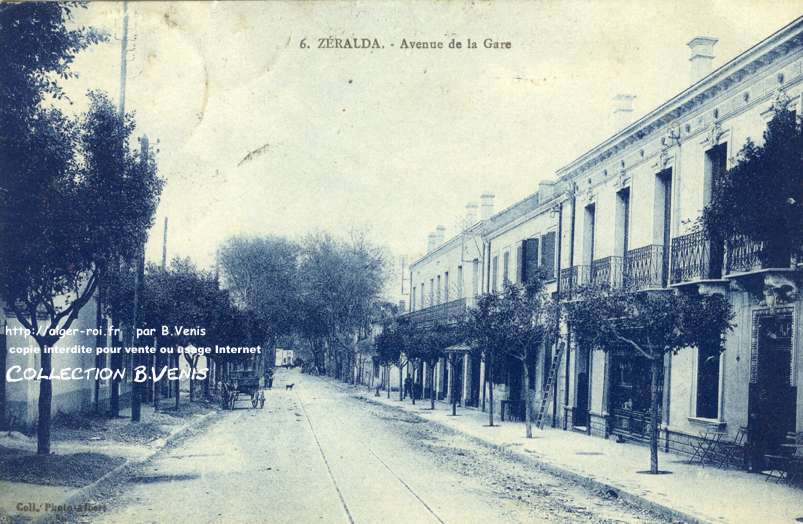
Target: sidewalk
column 689, row 493
column 87, row 450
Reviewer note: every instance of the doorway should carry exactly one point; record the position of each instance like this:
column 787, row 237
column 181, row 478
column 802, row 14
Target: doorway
column 580, row 417
column 772, row 403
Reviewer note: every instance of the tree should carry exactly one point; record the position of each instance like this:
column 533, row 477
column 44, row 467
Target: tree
column 388, row 344
column 526, row 318
column 340, row 282
column 262, row 274
column 651, row 325
column 761, row 196
column 36, row 143
column 485, row 334
column 430, row 347
column 68, row 237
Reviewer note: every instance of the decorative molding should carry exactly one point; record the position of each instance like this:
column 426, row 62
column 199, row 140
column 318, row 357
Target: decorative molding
column 758, row 314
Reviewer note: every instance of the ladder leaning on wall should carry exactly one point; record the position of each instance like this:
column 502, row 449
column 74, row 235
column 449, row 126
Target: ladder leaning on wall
column 547, row 393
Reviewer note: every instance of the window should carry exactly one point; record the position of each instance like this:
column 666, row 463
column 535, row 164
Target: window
column 438, row 294
column 422, row 295
column 475, row 277
column 412, row 301
column 494, row 273
column 548, row 255
column 588, row 234
column 622, row 221
column 708, row 382
column 506, row 267
column 459, row 281
column 530, row 258
column 431, row 291
column 715, row 166
column 446, row 286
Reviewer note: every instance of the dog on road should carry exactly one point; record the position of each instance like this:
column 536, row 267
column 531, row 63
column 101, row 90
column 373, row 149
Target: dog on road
column 289, row 386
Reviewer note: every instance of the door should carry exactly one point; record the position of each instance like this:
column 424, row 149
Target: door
column 580, row 417
column 772, row 397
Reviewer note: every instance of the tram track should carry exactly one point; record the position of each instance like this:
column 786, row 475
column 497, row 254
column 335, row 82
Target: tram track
column 376, row 456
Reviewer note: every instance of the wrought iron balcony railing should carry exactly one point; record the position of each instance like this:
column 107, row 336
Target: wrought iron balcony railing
column 644, row 268
column 446, row 312
column 607, row 273
column 744, row 255
column 572, row 279
column 695, row 257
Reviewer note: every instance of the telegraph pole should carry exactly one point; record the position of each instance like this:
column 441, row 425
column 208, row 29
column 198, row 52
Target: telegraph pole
column 164, row 247
column 116, row 358
column 139, row 284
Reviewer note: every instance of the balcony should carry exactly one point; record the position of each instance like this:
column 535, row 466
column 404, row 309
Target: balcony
column 572, row 279
column 445, row 313
column 606, row 273
column 644, row 268
column 695, row 258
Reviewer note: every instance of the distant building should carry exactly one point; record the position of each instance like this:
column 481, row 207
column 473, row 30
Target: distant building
column 284, row 357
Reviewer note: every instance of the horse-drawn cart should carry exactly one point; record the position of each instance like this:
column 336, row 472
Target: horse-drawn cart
column 242, row 383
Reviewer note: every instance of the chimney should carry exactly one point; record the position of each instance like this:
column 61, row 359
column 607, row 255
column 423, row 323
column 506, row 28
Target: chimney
column 545, row 190
column 471, row 213
column 702, row 57
column 622, row 111
column 440, row 234
column 432, row 242
column 487, row 206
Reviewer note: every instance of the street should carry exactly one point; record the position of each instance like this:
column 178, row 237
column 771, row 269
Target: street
column 321, row 452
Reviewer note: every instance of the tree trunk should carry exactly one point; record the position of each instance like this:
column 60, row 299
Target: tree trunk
column 177, row 381
column 99, row 342
column 156, row 385
column 489, row 374
column 401, row 383
column 387, row 378
column 655, row 367
column 484, row 386
column 454, row 388
column 528, row 423
column 136, row 391
column 3, row 416
column 45, row 403
column 114, row 400
column 412, row 385
column 431, row 386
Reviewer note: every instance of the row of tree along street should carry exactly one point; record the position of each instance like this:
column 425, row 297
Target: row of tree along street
column 760, row 198
column 77, row 200
column 514, row 323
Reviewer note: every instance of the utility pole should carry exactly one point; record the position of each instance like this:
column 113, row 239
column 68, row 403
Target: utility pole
column 139, row 284
column 164, row 247
column 123, row 57
column 116, row 358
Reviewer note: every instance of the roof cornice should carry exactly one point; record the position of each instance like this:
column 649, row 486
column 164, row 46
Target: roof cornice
column 765, row 52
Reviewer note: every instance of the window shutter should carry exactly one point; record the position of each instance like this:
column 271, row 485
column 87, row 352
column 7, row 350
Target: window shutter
column 520, row 263
column 531, row 257
column 548, row 254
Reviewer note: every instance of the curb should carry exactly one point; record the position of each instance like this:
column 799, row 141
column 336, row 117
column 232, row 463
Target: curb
column 566, row 473
column 81, row 495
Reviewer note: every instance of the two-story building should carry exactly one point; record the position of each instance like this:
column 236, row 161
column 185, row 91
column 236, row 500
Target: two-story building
column 629, row 219
column 621, row 215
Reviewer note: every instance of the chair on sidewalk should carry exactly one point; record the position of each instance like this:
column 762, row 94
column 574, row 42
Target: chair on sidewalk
column 733, row 452
column 705, row 448
column 787, row 463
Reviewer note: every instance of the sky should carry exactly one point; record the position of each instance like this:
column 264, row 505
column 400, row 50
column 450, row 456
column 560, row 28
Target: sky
column 256, row 135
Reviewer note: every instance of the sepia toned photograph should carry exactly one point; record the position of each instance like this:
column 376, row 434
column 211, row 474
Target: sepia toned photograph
column 401, row 261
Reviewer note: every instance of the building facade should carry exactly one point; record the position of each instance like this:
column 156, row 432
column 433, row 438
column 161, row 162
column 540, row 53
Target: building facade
column 622, row 215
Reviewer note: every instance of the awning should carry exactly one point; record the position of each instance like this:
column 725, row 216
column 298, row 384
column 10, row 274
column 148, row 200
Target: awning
column 458, row 348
